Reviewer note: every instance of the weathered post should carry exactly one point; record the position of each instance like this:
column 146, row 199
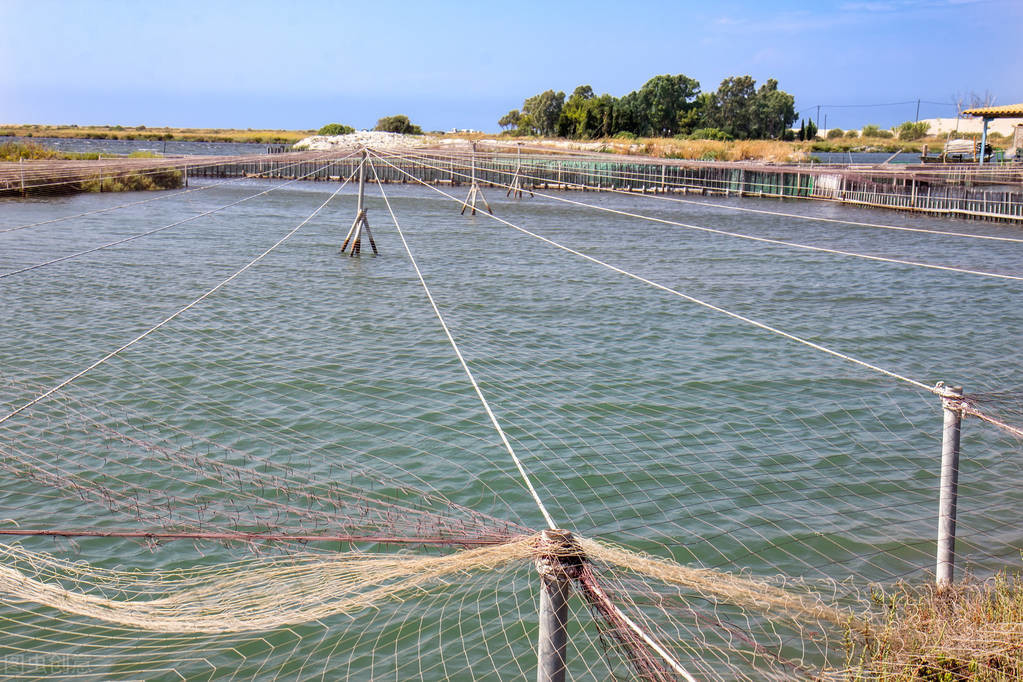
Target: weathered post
column 952, row 404
column 361, row 221
column 554, row 567
column 474, row 189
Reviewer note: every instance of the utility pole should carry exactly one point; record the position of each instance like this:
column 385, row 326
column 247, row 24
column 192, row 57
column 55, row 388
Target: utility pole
column 917, row 112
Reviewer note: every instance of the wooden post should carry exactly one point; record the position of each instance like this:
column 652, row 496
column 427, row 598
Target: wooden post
column 21, row 165
column 515, row 187
column 952, row 404
column 361, row 222
column 184, row 175
column 555, row 586
column 474, row 189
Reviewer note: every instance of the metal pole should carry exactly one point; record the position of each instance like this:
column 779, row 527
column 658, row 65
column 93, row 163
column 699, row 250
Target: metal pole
column 555, row 585
column 952, row 403
column 983, row 141
column 917, row 112
column 362, row 184
column 553, row 636
column 474, row 163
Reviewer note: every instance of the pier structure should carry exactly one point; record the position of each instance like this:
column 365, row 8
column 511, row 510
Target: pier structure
column 989, row 192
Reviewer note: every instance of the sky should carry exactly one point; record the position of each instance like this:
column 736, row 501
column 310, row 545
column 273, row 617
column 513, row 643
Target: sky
column 300, row 64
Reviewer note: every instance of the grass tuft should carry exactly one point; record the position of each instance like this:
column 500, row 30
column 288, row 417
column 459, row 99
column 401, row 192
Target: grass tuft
column 974, row 631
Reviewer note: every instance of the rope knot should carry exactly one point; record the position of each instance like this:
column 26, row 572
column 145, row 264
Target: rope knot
column 558, row 555
column 952, row 398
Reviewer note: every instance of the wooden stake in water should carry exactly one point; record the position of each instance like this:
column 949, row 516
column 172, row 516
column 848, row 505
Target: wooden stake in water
column 515, row 187
column 952, row 402
column 555, row 586
column 474, row 190
column 361, row 222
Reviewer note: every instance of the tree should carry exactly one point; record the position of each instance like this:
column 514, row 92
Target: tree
column 732, row 106
column 774, row 111
column 627, row 116
column 544, row 111
column 744, row 112
column 398, row 124
column 511, row 119
column 665, row 102
column 335, row 129
column 572, row 121
column 811, row 130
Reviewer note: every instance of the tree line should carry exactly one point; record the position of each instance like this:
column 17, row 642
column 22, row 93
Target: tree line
column 666, row 106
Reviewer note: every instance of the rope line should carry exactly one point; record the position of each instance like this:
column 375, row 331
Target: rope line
column 691, row 299
column 171, row 317
column 246, row 537
column 755, row 238
column 756, row 210
column 465, row 366
column 158, row 229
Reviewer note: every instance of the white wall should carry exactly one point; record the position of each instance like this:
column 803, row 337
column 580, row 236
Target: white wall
column 941, row 126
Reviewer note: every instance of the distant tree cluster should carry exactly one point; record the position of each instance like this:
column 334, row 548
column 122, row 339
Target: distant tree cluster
column 666, row 106
column 335, row 129
column 398, row 124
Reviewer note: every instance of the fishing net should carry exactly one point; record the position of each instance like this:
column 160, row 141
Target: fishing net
column 294, row 479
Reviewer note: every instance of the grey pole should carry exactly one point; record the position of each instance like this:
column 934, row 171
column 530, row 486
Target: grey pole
column 362, row 183
column 952, row 404
column 555, row 585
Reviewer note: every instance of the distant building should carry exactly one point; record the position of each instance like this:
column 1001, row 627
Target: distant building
column 464, row 130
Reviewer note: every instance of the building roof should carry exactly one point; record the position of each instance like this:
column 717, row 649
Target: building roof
column 1004, row 111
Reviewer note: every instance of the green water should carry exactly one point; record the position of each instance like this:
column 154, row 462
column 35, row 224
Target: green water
column 642, row 418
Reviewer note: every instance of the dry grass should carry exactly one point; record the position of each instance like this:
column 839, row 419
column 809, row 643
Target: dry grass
column 144, row 133
column 714, row 150
column 972, row 632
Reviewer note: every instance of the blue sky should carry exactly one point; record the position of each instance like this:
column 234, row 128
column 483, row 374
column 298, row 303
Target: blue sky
column 301, row 64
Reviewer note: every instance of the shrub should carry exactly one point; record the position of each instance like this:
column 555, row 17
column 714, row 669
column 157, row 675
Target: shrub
column 710, row 134
column 625, row 135
column 335, row 129
column 913, row 131
column 852, row 133
column 398, row 124
column 835, row 133
column 875, row 131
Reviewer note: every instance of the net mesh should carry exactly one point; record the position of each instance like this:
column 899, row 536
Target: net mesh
column 295, row 480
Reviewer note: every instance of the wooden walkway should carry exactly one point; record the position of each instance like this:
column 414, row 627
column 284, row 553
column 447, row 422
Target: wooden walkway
column 992, row 193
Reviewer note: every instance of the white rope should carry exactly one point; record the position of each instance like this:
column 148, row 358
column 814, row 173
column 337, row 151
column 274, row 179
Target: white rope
column 691, row 299
column 465, row 365
column 746, row 209
column 158, row 229
column 765, row 240
column 166, row 320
